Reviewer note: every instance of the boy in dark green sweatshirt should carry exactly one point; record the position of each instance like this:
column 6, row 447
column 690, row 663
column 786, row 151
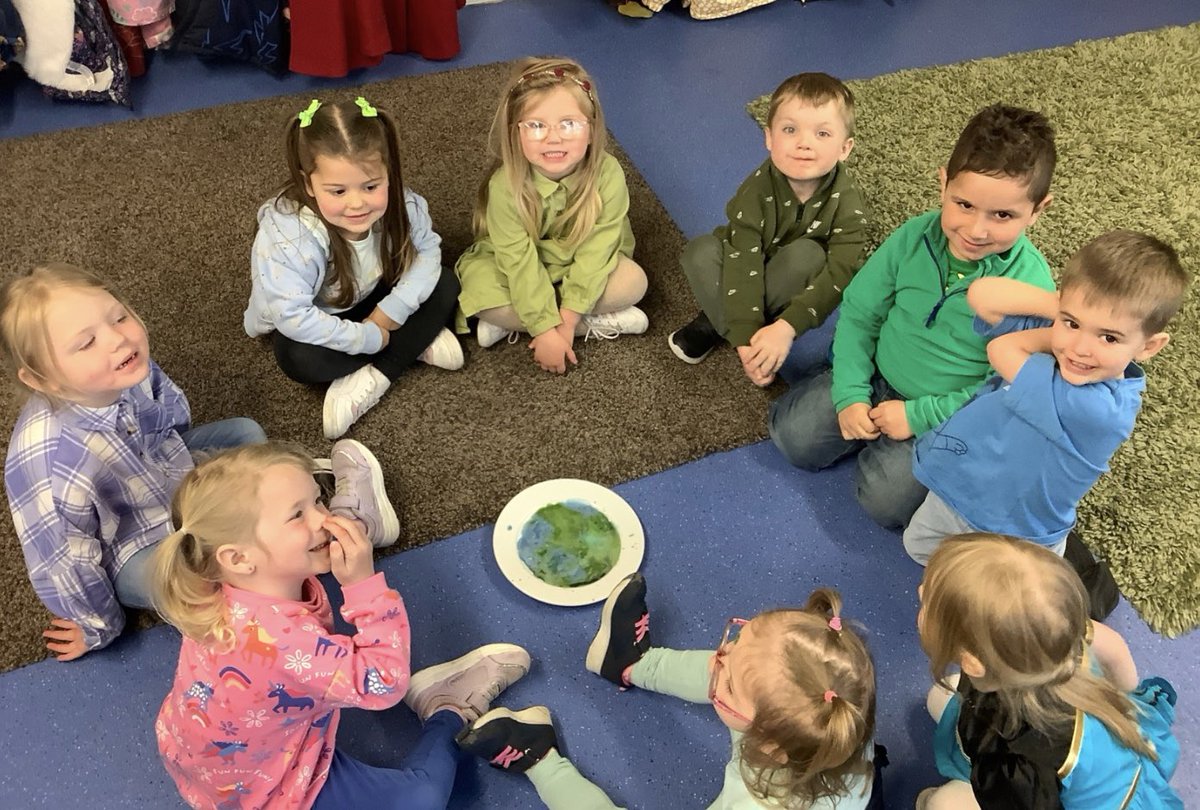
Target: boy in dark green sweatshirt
column 905, row 353
column 796, row 235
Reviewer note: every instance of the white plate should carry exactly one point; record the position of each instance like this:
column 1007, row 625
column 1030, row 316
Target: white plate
column 522, row 507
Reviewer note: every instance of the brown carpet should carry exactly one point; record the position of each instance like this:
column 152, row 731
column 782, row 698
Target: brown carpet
column 165, row 207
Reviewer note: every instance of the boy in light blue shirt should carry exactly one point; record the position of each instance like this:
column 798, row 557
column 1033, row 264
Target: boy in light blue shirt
column 1019, row 457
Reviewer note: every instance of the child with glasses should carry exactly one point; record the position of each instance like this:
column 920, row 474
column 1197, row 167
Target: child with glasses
column 553, row 245
column 796, row 687
column 797, row 234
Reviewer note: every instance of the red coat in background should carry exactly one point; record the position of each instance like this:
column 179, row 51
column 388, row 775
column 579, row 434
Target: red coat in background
column 333, row 37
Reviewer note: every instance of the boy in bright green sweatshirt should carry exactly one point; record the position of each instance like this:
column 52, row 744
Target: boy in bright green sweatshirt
column 905, row 353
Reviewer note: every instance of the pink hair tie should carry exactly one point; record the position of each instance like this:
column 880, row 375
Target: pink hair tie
column 830, row 695
column 835, row 624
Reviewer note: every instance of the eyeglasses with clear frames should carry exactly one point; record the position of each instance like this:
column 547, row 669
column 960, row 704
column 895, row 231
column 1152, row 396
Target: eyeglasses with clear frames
column 568, row 129
column 732, row 628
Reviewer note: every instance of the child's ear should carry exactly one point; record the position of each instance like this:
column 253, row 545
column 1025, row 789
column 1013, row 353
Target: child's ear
column 847, row 148
column 1040, row 208
column 308, row 185
column 767, row 137
column 972, row 665
column 1154, row 344
column 35, row 381
column 233, row 559
column 942, row 180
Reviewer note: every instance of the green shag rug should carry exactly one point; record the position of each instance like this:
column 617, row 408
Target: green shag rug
column 1127, row 113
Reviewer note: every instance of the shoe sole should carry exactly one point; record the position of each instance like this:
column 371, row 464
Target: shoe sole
column 532, row 716
column 681, row 354
column 391, row 522
column 599, row 646
column 424, row 678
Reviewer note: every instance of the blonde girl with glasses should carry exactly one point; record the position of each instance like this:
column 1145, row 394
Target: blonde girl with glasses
column 1047, row 710
column 553, row 246
column 795, row 687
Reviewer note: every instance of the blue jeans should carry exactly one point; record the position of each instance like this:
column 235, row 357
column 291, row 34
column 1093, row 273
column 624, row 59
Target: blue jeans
column 804, row 426
column 133, row 580
column 422, row 782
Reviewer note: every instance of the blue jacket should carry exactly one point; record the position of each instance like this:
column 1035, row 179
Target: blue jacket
column 288, row 265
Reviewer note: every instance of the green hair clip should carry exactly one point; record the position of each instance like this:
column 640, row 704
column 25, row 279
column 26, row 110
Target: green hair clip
column 367, row 110
column 306, row 115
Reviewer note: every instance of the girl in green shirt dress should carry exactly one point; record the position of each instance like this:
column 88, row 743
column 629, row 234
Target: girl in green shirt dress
column 553, row 249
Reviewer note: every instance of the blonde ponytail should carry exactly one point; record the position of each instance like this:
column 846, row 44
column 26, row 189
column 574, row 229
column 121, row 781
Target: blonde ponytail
column 216, row 505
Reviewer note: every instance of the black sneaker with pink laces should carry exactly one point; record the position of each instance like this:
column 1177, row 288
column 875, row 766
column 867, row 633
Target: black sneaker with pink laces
column 508, row 740
column 624, row 634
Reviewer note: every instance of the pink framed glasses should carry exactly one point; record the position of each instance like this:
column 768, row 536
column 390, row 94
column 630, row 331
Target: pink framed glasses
column 732, row 628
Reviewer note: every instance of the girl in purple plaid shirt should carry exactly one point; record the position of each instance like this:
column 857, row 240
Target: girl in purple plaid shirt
column 97, row 451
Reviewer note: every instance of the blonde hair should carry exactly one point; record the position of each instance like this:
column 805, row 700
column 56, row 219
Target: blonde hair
column 24, row 302
column 1134, row 272
column 341, row 130
column 801, row 747
column 1028, row 627
column 216, row 505
column 531, row 80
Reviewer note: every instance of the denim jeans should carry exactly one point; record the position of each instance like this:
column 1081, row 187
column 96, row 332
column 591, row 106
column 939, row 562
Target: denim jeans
column 133, row 580
column 423, row 781
column 804, row 426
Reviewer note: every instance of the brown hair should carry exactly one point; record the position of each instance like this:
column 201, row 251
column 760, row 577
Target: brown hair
column 531, row 79
column 1028, row 626
column 24, row 301
column 215, row 505
column 1002, row 141
column 340, row 130
column 814, row 89
column 801, row 747
column 1134, row 271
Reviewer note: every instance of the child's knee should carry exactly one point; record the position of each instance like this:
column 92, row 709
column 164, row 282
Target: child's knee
column 878, row 501
column 702, row 258
column 791, row 433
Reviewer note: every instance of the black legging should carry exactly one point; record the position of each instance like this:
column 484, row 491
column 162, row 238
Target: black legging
column 313, row 365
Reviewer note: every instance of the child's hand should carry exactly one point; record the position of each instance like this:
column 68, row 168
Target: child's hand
column 892, row 421
column 551, row 352
column 567, row 333
column 385, row 324
column 570, row 320
column 855, row 422
column 747, row 354
column 771, row 345
column 66, row 639
column 350, row 553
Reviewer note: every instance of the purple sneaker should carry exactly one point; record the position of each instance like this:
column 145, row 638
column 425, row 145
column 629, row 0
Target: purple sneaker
column 469, row 683
column 360, row 494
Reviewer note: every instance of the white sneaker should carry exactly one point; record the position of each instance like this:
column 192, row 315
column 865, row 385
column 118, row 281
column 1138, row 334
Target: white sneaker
column 488, row 334
column 445, row 352
column 350, row 397
column 628, row 321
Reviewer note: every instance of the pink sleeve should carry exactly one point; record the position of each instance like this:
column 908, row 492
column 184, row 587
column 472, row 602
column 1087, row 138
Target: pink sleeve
column 368, row 670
